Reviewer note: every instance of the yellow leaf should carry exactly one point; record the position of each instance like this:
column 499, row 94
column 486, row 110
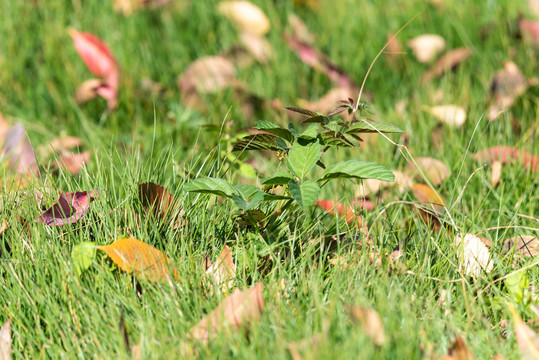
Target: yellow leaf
column 145, row 261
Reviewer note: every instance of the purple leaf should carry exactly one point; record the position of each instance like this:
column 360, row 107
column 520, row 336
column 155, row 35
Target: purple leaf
column 70, row 208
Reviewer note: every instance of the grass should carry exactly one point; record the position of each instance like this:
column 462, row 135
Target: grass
column 57, row 314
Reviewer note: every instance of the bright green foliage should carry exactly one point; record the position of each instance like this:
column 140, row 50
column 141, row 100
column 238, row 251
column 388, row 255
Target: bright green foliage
column 82, row 256
column 305, row 193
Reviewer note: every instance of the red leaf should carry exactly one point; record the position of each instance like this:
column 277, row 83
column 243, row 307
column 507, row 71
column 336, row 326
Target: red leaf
column 70, row 208
column 345, row 212
column 99, row 60
column 508, row 154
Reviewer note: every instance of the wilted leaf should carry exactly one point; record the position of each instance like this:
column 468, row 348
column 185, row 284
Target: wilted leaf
column 372, row 324
column 435, row 170
column 82, row 256
column 459, row 350
column 159, row 202
column 345, row 212
column 236, row 310
column 208, row 74
column 473, row 255
column 446, row 63
column 496, row 173
column 508, row 154
column 246, row 16
column 426, row 47
column 452, row 115
column 530, row 31
column 258, row 47
column 145, row 261
column 506, row 86
column 527, row 339
column 222, row 271
column 100, row 61
column 19, row 152
column 70, row 208
column 5, row 341
column 524, row 245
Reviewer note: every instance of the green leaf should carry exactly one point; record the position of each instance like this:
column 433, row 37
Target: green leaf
column 357, row 169
column 301, row 111
column 281, row 178
column 257, row 142
column 269, row 127
column 369, row 127
column 305, row 193
column 247, row 171
column 302, row 158
column 321, row 119
column 82, row 256
column 516, row 285
column 249, row 204
column 330, row 138
column 210, row 185
column 311, row 132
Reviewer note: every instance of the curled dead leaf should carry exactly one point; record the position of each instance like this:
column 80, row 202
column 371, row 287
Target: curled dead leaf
column 70, row 208
column 222, row 271
column 372, row 324
column 435, row 170
column 473, row 254
column 451, row 115
column 236, row 310
column 208, row 74
column 248, row 17
column 87, row 90
column 145, row 261
column 159, row 202
column 446, row 63
column 426, row 47
column 258, row 47
column 506, row 86
column 523, row 245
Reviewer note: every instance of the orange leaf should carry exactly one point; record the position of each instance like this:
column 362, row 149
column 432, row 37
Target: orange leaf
column 132, row 255
column 345, row 212
column 235, row 310
column 426, row 196
column 157, row 200
column 459, row 350
column 372, row 324
column 222, row 271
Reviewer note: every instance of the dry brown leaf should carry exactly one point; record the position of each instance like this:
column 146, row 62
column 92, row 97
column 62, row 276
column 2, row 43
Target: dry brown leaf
column 527, row 339
column 222, row 271
column 435, row 170
column 508, row 154
column 524, row 245
column 88, row 90
column 246, row 16
column 394, row 48
column 328, row 101
column 426, row 47
column 428, row 197
column 446, row 63
column 300, row 30
column 159, row 202
column 145, row 261
column 506, row 86
column 452, row 115
column 458, row 350
column 236, row 310
column 372, row 324
column 258, row 47
column 5, row 341
column 208, row 74
column 496, row 173
column 3, row 226
column 73, row 162
column 473, row 255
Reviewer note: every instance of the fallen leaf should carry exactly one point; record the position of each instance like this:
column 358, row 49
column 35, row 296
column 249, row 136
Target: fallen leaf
column 372, row 324
column 222, row 271
column 73, row 162
column 427, row 196
column 128, row 7
column 3, row 226
column 300, row 30
column 246, row 16
column 459, row 350
column 88, row 90
column 308, row 345
column 524, row 245
column 530, row 31
column 508, row 154
column 5, row 341
column 159, row 202
column 473, row 255
column 19, row 152
column 506, row 86
column 70, row 208
column 236, row 310
column 65, row 143
column 145, row 261
column 345, row 212
column 394, row 48
column 373, row 186
column 100, row 61
column 446, row 63
column 327, row 102
column 258, row 47
column 452, row 115
column 208, row 74
column 426, row 47
column 527, row 339
column 496, row 173
column 435, row 170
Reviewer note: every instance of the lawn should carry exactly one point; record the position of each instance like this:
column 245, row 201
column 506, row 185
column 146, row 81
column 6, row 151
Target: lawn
column 390, row 280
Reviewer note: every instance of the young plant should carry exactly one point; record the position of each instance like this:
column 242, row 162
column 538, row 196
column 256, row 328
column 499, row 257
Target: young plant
column 302, row 151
